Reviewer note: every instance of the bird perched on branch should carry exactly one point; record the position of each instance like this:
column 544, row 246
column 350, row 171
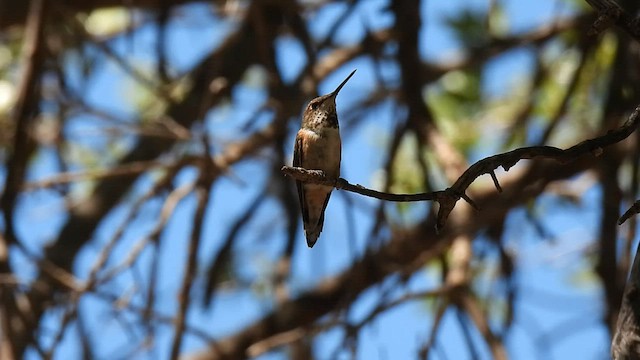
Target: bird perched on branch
column 318, row 147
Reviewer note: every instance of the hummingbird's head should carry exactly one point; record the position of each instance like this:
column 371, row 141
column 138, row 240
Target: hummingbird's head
column 321, row 111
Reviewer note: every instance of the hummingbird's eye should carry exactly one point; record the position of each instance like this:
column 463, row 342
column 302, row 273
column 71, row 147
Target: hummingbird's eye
column 313, row 105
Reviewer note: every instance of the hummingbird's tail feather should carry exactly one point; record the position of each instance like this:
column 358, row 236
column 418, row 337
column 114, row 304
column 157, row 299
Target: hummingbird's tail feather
column 312, row 233
column 312, row 237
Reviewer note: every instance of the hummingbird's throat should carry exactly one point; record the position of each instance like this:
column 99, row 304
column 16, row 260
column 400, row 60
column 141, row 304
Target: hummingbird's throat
column 322, row 116
column 323, row 119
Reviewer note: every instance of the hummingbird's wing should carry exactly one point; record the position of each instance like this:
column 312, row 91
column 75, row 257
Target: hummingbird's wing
column 297, row 162
column 312, row 205
column 312, row 231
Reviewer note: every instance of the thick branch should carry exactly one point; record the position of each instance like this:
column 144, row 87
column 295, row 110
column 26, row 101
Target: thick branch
column 609, row 13
column 26, row 109
column 14, row 12
column 626, row 341
column 14, row 326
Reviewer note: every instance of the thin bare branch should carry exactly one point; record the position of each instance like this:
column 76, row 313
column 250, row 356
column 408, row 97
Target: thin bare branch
column 479, row 318
column 449, row 197
column 318, row 177
column 202, row 192
column 634, row 209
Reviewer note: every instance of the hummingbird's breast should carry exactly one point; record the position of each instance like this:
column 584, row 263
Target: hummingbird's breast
column 322, row 150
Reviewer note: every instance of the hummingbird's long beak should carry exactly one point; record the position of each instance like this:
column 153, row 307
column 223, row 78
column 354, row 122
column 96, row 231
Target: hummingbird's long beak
column 337, row 90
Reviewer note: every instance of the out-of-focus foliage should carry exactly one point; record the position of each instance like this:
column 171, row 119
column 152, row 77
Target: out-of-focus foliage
column 144, row 214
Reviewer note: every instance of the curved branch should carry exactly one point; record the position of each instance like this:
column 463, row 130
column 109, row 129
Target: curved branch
column 449, row 197
column 319, row 177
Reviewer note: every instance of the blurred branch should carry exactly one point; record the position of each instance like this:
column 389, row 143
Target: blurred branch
column 402, row 252
column 608, row 238
column 296, row 334
column 203, row 194
column 154, row 316
column 277, row 340
column 15, row 12
column 223, row 257
column 499, row 45
column 133, row 168
column 24, row 112
column 630, row 236
column 472, row 308
column 571, row 88
column 168, row 208
column 15, row 318
column 233, row 153
column 423, row 352
column 443, row 290
column 626, row 341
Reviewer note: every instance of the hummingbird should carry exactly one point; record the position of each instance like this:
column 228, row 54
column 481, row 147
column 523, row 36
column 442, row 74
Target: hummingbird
column 318, row 147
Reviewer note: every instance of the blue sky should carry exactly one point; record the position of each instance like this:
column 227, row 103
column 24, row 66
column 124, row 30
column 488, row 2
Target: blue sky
column 545, row 266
